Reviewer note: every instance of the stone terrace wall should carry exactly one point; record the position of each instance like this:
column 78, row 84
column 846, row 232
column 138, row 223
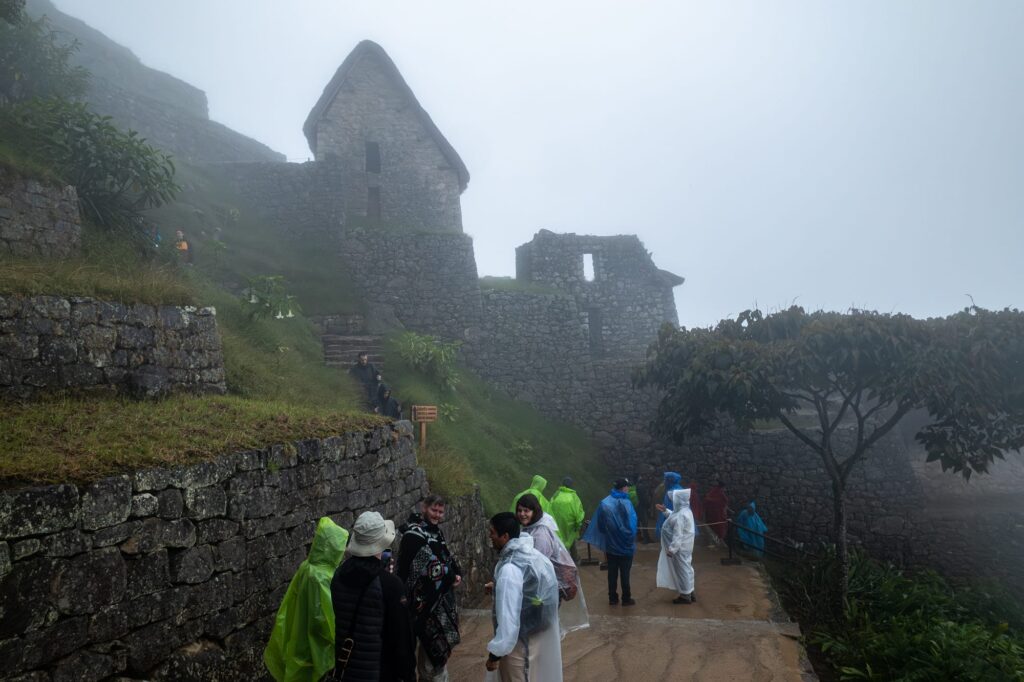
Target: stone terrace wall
column 535, row 348
column 51, row 343
column 177, row 574
column 302, row 199
column 465, row 528
column 37, row 219
column 426, row 281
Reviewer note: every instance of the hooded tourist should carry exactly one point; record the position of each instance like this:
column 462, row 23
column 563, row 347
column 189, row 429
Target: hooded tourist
column 612, row 529
column 389, row 405
column 373, row 633
column 536, row 489
column 675, row 564
column 751, row 529
column 301, row 646
column 526, row 644
column 716, row 510
column 671, row 483
column 431, row 574
column 567, row 511
column 572, row 613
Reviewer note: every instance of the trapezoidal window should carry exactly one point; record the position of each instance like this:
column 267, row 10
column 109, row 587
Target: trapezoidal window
column 373, row 205
column 588, row 267
column 373, row 157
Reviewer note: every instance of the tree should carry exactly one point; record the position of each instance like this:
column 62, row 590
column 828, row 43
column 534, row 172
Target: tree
column 860, row 372
column 35, row 60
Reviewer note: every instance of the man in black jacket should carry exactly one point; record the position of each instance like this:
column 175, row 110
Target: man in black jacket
column 366, row 374
column 373, row 632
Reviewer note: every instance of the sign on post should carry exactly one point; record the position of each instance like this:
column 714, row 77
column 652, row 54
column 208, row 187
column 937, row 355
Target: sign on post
column 424, row 414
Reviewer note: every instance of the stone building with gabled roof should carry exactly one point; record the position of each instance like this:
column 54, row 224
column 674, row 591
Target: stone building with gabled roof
column 398, row 170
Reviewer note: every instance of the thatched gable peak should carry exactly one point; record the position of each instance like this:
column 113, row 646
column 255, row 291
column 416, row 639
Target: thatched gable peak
column 367, row 49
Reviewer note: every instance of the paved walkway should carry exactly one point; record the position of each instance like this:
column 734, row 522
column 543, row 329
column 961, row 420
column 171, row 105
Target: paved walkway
column 729, row 634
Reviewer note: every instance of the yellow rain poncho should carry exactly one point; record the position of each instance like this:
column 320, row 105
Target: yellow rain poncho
column 537, row 490
column 301, row 646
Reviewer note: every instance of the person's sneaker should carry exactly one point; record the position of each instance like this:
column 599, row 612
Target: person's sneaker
column 682, row 600
column 693, row 597
column 613, row 602
column 628, row 602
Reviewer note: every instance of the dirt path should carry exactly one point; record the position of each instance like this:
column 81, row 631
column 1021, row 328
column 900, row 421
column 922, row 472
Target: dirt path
column 727, row 635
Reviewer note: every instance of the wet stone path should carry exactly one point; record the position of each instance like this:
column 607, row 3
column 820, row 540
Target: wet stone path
column 731, row 633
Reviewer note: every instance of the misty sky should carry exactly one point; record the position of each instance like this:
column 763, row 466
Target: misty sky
column 865, row 154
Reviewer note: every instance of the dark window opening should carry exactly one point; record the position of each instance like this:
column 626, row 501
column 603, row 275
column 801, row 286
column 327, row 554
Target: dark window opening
column 596, row 324
column 373, row 205
column 373, row 157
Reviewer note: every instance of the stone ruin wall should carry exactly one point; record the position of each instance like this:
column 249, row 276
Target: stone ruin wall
column 56, row 343
column 176, row 574
column 419, row 189
column 37, row 219
column 301, row 199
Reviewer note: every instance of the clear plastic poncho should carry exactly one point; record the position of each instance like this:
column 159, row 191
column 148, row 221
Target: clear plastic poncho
column 526, row 608
column 675, row 563
column 572, row 613
column 301, row 646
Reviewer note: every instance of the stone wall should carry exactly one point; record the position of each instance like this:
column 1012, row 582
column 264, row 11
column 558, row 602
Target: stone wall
column 629, row 298
column 534, row 347
column 52, row 343
column 301, row 199
column 37, row 219
column 177, row 574
column 417, row 186
column 424, row 281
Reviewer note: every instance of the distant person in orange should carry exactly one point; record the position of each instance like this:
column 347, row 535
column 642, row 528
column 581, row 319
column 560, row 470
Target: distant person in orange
column 182, row 245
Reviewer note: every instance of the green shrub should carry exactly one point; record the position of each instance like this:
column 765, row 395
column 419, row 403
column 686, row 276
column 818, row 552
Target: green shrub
column 909, row 627
column 432, row 357
column 266, row 298
column 35, row 59
column 117, row 175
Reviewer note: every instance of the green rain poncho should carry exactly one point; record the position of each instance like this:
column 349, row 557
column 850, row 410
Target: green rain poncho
column 567, row 511
column 537, row 490
column 301, row 646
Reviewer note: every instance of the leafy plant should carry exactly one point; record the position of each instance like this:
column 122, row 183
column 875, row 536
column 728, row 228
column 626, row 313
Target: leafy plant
column 117, row 175
column 35, row 59
column 448, row 412
column 429, row 355
column 265, row 298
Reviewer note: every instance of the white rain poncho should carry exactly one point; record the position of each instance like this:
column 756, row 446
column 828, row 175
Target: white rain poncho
column 526, row 608
column 675, row 572
column 572, row 614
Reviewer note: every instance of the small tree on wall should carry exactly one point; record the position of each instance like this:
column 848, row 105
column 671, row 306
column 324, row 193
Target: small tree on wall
column 860, row 371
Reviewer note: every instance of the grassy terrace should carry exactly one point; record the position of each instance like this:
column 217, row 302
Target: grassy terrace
column 84, row 439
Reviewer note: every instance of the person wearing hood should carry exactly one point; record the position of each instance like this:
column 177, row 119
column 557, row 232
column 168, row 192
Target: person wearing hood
column 751, row 529
column 301, row 647
column 526, row 644
column 431, row 574
column 389, row 405
column 373, row 632
column 612, row 529
column 671, row 483
column 536, row 489
column 675, row 564
column 572, row 614
column 567, row 511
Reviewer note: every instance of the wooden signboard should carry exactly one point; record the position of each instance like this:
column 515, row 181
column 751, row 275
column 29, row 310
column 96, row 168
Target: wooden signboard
column 424, row 414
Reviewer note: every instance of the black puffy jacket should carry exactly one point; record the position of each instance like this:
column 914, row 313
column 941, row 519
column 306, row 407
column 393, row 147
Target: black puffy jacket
column 385, row 649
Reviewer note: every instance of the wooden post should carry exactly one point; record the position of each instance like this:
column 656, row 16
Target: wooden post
column 424, row 414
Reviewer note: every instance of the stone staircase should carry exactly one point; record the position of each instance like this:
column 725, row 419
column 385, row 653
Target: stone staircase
column 341, row 350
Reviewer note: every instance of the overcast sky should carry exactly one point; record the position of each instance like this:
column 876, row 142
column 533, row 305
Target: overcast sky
column 866, row 154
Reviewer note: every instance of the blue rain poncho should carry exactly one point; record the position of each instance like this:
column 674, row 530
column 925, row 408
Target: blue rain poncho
column 671, row 483
column 749, row 520
column 613, row 526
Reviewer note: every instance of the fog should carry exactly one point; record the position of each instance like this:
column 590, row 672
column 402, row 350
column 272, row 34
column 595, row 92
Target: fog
column 864, row 154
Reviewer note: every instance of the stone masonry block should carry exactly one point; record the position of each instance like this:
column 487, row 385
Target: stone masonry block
column 38, row 510
column 106, row 503
column 204, row 503
column 85, row 584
